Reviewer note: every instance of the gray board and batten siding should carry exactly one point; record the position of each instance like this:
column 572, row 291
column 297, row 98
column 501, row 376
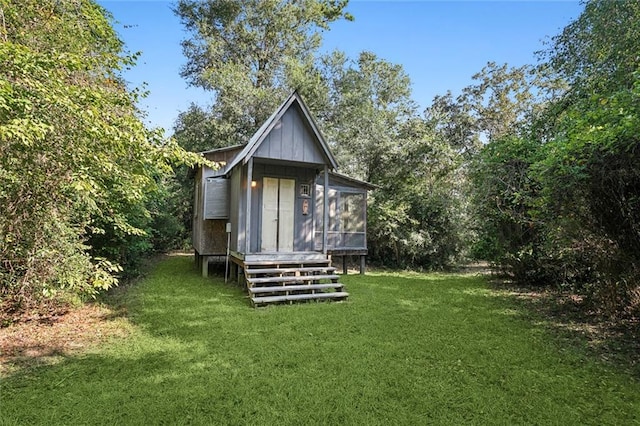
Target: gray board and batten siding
column 291, row 140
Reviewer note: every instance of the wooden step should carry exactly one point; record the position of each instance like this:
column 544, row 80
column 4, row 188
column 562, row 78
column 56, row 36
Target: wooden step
column 293, row 297
column 287, row 262
column 300, row 278
column 289, row 270
column 283, row 288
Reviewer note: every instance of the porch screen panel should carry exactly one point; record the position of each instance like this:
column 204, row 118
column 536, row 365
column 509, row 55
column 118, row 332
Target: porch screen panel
column 352, row 220
column 351, row 212
column 334, row 222
column 347, row 217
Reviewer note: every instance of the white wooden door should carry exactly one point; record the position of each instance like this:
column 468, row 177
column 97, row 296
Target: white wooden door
column 269, row 214
column 278, row 202
column 285, row 220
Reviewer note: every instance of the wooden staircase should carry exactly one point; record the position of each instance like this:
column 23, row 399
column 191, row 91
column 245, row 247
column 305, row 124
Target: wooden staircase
column 282, row 281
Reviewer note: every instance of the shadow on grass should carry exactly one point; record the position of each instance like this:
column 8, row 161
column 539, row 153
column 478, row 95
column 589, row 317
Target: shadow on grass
column 404, row 349
column 613, row 343
column 159, row 387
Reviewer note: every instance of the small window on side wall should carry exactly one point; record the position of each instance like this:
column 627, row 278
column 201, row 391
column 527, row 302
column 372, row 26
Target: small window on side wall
column 305, row 190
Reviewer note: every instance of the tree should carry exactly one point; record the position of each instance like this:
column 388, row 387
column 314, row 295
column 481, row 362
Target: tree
column 503, row 102
column 597, row 53
column 456, row 122
column 77, row 165
column 505, row 197
column 369, row 102
column 423, row 180
column 488, row 124
column 250, row 53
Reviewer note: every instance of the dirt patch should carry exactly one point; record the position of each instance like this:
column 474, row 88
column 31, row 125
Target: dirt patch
column 39, row 342
column 477, row 268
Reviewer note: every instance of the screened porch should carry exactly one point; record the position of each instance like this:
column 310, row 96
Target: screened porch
column 347, row 205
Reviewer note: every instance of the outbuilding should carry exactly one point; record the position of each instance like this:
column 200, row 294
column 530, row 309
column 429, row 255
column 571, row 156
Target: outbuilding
column 278, row 210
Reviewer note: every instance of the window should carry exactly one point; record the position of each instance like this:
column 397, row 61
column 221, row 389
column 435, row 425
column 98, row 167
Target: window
column 305, row 190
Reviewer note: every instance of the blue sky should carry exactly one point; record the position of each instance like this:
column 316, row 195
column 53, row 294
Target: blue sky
column 440, row 44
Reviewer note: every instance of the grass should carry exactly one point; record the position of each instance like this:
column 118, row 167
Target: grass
column 405, row 349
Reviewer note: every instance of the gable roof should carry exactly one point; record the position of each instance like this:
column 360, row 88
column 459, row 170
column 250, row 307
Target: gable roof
column 259, row 136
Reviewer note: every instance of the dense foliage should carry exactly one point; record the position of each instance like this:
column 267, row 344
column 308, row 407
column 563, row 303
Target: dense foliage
column 415, row 217
column 560, row 201
column 77, row 168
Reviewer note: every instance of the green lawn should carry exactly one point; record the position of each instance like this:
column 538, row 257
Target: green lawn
column 404, row 349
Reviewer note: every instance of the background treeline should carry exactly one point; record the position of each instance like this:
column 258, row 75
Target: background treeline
column 534, row 168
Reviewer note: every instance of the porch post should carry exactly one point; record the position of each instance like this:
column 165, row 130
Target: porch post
column 205, row 266
column 247, row 226
column 233, row 272
column 363, row 257
column 325, row 220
